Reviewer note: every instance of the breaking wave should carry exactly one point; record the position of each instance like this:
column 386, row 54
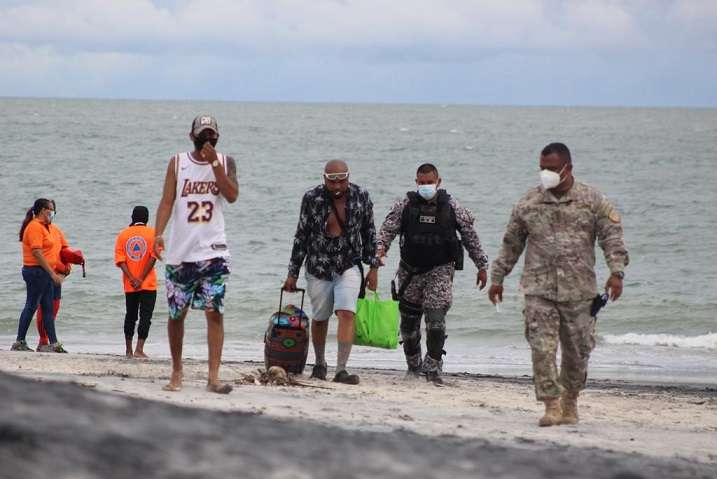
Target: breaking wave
column 705, row 341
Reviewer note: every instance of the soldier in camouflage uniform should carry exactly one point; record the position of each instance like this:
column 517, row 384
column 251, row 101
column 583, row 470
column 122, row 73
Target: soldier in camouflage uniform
column 559, row 222
column 429, row 221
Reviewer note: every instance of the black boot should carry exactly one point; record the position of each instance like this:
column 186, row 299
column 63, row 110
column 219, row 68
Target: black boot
column 432, row 370
column 415, row 365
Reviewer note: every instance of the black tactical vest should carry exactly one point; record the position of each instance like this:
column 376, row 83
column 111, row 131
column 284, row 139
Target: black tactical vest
column 428, row 232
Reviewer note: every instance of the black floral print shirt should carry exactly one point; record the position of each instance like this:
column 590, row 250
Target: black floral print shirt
column 328, row 256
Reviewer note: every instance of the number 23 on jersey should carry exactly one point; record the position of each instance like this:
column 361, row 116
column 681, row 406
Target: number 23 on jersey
column 200, row 212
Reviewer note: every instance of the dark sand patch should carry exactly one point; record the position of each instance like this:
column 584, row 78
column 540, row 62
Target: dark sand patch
column 63, row 430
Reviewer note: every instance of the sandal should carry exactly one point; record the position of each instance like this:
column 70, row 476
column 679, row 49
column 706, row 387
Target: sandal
column 20, row 346
column 220, row 388
column 57, row 348
column 319, row 372
column 344, row 377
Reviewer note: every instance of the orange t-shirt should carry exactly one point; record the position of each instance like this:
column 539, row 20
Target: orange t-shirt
column 49, row 238
column 134, row 247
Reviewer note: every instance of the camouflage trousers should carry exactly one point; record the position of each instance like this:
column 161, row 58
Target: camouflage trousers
column 430, row 290
column 570, row 325
column 430, row 295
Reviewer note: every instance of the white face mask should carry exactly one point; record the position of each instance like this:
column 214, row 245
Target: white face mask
column 427, row 191
column 550, row 179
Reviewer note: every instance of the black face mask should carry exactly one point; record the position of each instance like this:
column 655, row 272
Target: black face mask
column 199, row 142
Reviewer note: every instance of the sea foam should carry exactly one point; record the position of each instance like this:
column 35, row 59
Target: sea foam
column 705, row 341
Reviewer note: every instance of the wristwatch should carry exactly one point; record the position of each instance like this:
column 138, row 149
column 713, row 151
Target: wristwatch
column 619, row 274
column 215, row 163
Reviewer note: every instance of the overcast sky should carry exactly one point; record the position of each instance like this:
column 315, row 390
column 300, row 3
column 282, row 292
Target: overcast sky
column 518, row 52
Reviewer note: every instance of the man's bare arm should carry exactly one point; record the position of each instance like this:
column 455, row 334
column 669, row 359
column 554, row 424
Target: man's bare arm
column 226, row 180
column 164, row 210
column 147, row 269
column 231, row 192
column 135, row 282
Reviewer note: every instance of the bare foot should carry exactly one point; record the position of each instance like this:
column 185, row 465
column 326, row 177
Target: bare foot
column 140, row 354
column 219, row 388
column 128, row 354
column 175, row 382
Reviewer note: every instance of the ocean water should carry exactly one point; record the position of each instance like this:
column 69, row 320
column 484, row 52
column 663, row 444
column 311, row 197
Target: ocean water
column 99, row 158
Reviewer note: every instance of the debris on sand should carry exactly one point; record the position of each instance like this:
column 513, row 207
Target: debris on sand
column 275, row 376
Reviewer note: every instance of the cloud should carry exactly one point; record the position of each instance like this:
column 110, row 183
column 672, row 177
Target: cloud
column 29, row 71
column 692, row 24
column 487, row 51
column 293, row 26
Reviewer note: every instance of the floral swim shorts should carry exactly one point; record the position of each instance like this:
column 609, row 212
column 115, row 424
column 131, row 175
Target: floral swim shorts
column 200, row 285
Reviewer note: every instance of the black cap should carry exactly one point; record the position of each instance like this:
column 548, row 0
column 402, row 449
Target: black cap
column 140, row 214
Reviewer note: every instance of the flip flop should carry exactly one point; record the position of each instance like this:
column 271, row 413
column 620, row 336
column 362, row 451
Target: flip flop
column 171, row 388
column 220, row 388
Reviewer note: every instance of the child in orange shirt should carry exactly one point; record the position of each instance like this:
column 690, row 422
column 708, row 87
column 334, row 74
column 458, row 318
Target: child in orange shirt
column 133, row 255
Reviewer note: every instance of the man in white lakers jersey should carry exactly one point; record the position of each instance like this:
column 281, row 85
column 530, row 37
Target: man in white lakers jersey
column 196, row 187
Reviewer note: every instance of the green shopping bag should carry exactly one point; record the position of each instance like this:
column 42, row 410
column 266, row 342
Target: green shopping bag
column 376, row 322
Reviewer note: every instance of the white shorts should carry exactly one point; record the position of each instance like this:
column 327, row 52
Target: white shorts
column 329, row 296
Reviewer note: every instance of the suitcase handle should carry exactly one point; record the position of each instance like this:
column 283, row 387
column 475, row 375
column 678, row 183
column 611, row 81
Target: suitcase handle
column 281, row 296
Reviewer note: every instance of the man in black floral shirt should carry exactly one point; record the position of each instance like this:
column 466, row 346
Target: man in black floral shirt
column 336, row 232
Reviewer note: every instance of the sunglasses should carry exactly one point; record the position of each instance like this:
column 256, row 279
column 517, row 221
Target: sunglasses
column 336, row 176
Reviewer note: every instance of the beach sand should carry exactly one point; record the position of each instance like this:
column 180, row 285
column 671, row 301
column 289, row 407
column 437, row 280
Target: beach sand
column 668, row 431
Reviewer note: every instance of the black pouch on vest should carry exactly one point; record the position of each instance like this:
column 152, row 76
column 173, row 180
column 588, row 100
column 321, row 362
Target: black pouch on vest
column 457, row 248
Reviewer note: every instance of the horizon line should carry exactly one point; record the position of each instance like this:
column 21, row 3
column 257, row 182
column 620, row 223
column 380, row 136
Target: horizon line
column 358, row 102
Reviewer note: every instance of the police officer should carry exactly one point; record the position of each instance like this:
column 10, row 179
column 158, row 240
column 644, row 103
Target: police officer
column 558, row 222
column 429, row 221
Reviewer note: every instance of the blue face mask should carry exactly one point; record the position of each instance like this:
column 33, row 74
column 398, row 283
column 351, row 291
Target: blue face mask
column 427, row 191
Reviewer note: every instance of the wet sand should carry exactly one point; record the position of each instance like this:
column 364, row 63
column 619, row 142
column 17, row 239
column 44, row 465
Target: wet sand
column 113, row 420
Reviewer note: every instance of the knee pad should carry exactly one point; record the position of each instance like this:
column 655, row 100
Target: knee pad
column 410, row 321
column 411, row 334
column 411, row 342
column 436, row 319
column 435, row 333
column 435, row 339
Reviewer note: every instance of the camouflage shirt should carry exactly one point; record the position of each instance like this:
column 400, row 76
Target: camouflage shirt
column 560, row 235
column 464, row 219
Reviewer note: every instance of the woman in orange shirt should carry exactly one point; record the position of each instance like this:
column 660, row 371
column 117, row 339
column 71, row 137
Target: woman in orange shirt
column 40, row 253
column 63, row 269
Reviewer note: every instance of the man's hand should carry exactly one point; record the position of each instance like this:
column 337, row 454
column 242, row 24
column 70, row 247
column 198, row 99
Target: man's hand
column 158, row 247
column 135, row 282
column 381, row 255
column 208, row 153
column 372, row 279
column 614, row 287
column 290, row 284
column 482, row 279
column 495, row 293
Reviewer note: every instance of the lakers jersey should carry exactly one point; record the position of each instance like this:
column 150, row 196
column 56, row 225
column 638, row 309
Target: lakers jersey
column 197, row 231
